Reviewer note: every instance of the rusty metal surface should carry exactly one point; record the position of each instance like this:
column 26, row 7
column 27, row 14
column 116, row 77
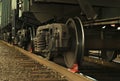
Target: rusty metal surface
column 99, row 72
column 102, row 44
column 29, row 70
column 87, row 9
column 115, row 20
column 103, row 63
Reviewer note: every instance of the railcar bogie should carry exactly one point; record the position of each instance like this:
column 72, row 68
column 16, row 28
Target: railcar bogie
column 54, row 31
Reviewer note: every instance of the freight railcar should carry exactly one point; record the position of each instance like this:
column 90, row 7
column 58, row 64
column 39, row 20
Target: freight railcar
column 52, row 30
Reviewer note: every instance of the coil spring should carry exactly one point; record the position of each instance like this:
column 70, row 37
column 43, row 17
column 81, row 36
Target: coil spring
column 41, row 43
column 47, row 40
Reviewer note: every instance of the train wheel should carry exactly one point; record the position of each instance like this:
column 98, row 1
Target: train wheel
column 76, row 42
column 86, row 52
column 108, row 55
column 30, row 47
column 48, row 55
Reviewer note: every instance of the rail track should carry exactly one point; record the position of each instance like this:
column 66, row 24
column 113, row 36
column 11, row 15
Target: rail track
column 100, row 69
column 30, row 67
column 25, row 66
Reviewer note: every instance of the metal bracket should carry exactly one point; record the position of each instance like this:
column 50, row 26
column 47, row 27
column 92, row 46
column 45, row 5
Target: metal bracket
column 87, row 9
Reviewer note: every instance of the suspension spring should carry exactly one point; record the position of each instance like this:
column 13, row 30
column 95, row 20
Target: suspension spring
column 41, row 43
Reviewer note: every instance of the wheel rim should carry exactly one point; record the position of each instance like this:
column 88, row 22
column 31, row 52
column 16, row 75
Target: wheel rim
column 29, row 48
column 76, row 42
column 109, row 55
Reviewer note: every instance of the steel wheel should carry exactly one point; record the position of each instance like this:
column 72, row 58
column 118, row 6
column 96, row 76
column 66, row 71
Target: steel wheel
column 108, row 55
column 30, row 47
column 76, row 42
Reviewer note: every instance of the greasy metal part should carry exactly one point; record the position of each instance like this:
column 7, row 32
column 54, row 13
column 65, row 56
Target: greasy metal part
column 108, row 55
column 81, row 39
column 102, row 44
column 87, row 9
column 103, row 35
column 39, row 42
column 15, row 14
column 102, row 3
column 30, row 19
column 23, row 38
column 107, row 21
column 51, row 39
column 102, row 62
column 100, row 70
column 57, row 1
column 13, row 25
column 76, row 42
column 62, row 71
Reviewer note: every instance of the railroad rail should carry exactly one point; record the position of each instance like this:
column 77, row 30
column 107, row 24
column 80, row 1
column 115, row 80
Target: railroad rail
column 102, row 62
column 40, row 69
column 100, row 70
